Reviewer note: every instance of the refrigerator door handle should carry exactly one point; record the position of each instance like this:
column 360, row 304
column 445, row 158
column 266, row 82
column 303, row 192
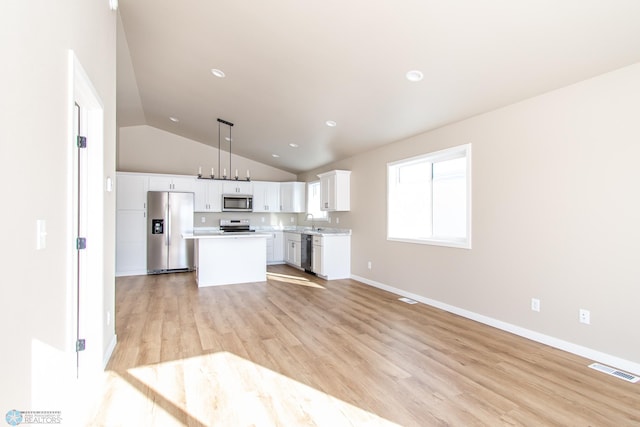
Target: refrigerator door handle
column 168, row 233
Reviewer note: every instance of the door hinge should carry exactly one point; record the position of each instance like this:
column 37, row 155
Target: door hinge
column 81, row 243
column 80, row 345
column 81, row 141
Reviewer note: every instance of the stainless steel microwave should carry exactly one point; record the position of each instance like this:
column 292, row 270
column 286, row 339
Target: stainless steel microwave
column 237, row 203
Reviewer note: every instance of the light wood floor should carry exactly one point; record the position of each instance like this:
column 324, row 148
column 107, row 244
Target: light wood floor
column 301, row 351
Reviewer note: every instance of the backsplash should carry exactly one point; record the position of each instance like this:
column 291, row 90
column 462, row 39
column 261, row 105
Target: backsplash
column 258, row 219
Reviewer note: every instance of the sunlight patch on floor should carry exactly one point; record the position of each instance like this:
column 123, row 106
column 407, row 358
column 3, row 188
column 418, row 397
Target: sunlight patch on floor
column 296, row 280
column 225, row 389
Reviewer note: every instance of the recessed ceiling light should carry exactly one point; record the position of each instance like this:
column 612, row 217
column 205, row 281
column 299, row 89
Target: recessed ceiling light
column 414, row 75
column 292, row 145
column 174, row 119
column 275, row 155
column 331, row 123
column 217, row 73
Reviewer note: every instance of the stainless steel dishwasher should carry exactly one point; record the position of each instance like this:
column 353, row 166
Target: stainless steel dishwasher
column 306, row 253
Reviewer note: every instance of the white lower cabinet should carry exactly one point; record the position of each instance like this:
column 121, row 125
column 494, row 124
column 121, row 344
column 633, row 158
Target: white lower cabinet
column 131, row 242
column 275, row 248
column 292, row 251
column 316, row 258
column 332, row 256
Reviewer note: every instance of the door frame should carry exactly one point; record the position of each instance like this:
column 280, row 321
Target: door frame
column 89, row 317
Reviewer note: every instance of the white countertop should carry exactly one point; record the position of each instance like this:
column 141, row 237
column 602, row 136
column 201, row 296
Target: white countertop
column 217, row 234
column 321, row 231
column 214, row 232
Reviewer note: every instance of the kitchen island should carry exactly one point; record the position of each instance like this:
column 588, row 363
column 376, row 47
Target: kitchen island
column 229, row 258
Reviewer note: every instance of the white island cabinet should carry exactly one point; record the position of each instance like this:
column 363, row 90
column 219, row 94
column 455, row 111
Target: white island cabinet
column 226, row 259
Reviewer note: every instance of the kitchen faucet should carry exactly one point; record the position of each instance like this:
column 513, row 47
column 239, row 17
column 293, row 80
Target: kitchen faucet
column 313, row 225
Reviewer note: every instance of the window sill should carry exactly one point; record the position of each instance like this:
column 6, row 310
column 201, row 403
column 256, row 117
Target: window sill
column 461, row 244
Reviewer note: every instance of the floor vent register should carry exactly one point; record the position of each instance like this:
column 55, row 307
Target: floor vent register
column 614, row 372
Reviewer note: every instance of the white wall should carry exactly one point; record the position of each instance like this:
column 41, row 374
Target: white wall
column 148, row 149
column 35, row 39
column 556, row 216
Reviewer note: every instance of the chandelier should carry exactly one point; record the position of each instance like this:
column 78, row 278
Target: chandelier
column 222, row 171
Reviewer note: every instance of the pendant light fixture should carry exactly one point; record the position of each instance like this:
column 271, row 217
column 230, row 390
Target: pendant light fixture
column 222, row 171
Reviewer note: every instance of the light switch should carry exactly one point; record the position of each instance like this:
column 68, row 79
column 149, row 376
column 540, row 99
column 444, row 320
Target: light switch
column 41, row 234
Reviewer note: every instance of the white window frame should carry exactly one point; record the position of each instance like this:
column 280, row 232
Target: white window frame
column 434, row 157
column 318, row 214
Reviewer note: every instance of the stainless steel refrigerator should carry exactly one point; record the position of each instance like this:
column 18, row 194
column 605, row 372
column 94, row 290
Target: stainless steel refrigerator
column 169, row 215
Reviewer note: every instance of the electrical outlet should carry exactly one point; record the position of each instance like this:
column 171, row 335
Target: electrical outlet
column 337, row 220
column 261, row 219
column 108, row 318
column 292, row 220
column 203, row 219
column 369, row 265
column 585, row 316
column 535, row 304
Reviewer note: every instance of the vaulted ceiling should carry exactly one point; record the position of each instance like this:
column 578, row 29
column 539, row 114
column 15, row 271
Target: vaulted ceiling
column 292, row 65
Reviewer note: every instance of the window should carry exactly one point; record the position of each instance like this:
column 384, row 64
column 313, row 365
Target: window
column 429, row 198
column 313, row 201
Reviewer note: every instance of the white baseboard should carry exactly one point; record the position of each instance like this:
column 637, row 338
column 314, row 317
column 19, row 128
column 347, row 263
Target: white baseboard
column 607, row 359
column 109, row 351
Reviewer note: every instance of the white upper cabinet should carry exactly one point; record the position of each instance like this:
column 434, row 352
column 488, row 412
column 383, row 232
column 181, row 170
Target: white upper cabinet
column 131, row 191
column 292, row 196
column 266, row 196
column 237, row 187
column 208, row 196
column 172, row 183
column 335, row 190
